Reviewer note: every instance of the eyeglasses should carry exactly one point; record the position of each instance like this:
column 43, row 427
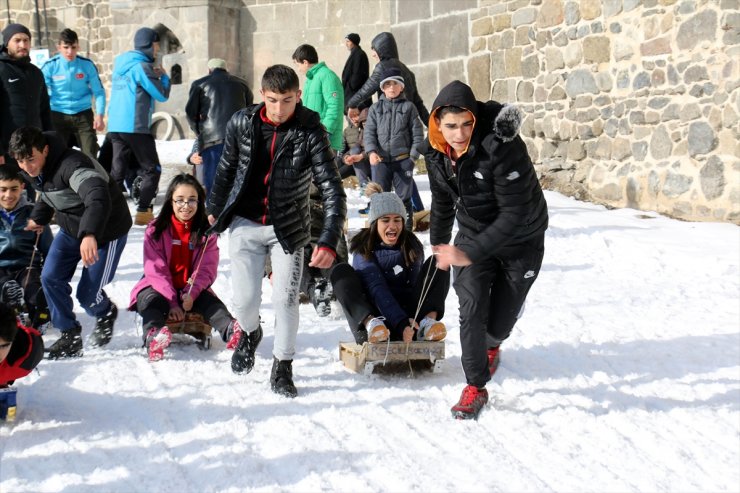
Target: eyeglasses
column 183, row 202
column 5, row 346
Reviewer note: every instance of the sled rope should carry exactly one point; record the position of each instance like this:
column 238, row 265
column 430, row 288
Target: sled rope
column 33, row 256
column 191, row 279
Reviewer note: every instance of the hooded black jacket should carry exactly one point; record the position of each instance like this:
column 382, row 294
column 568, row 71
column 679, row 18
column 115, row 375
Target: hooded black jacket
column 303, row 154
column 385, row 46
column 86, row 199
column 24, row 100
column 212, row 101
column 494, row 189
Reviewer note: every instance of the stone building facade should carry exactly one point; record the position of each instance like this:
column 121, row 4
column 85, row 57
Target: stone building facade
column 627, row 102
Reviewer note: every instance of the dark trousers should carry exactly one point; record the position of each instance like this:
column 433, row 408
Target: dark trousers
column 357, row 306
column 154, row 308
column 33, row 294
column 81, row 126
column 491, row 296
column 211, row 156
column 59, row 268
column 144, row 152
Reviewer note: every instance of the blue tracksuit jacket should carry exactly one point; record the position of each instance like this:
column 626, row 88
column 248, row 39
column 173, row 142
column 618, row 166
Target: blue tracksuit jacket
column 71, row 85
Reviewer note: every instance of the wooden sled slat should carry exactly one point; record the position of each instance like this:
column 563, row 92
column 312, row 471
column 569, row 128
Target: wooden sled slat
column 365, row 358
column 195, row 326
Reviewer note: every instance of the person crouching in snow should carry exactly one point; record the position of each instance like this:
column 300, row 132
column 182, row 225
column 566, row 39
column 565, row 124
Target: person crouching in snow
column 21, row 348
column 481, row 174
column 389, row 293
column 180, row 265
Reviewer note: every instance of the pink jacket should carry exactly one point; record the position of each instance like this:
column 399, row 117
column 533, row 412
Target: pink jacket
column 157, row 267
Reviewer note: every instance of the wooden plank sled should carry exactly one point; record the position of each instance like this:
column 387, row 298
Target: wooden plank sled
column 195, row 326
column 367, row 357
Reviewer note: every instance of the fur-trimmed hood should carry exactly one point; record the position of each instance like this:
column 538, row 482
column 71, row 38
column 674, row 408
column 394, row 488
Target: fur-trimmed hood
column 503, row 121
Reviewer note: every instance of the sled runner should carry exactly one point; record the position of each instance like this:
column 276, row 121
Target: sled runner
column 393, row 357
column 7, row 403
column 195, row 326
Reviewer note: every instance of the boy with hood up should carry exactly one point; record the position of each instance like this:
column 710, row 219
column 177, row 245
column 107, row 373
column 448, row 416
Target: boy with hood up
column 480, row 172
column 136, row 84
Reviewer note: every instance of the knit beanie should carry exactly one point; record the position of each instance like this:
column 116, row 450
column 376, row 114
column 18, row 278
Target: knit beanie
column 354, row 37
column 13, row 29
column 144, row 38
column 392, row 73
column 384, row 203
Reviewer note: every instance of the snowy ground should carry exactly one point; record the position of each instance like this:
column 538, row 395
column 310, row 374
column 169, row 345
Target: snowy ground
column 623, row 375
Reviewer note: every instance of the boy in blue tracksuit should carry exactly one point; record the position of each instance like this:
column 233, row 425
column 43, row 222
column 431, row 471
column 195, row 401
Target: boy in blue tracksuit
column 72, row 82
column 137, row 83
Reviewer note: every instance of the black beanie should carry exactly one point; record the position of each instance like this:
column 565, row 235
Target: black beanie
column 144, row 38
column 13, row 29
column 354, row 37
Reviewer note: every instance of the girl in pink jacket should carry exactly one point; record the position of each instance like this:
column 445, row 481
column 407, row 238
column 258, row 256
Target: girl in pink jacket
column 180, row 265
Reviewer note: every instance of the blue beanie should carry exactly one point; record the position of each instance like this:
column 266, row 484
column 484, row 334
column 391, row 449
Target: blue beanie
column 144, row 38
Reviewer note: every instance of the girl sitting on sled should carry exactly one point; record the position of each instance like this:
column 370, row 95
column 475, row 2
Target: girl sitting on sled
column 390, row 292
column 180, row 265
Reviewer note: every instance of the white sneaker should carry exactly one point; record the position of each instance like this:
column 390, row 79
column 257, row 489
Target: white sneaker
column 377, row 331
column 431, row 330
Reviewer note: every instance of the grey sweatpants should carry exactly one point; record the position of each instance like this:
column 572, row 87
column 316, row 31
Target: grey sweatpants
column 250, row 243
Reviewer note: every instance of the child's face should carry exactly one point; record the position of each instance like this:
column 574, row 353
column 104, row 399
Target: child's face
column 389, row 228
column 4, row 349
column 355, row 119
column 456, row 129
column 185, row 202
column 392, row 89
column 10, row 193
column 34, row 164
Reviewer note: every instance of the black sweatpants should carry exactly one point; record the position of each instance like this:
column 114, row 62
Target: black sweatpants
column 154, row 308
column 144, row 151
column 491, row 296
column 353, row 297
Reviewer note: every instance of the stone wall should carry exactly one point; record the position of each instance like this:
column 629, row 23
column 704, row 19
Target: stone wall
column 627, row 102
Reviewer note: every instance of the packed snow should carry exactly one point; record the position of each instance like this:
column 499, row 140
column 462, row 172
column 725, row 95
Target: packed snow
column 622, row 375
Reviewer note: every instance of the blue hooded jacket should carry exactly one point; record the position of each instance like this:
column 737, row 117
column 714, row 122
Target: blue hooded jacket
column 135, row 87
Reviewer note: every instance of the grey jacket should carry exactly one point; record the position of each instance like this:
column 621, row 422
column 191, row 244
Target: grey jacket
column 393, row 129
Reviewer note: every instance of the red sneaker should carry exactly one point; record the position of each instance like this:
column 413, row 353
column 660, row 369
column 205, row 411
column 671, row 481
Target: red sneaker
column 158, row 343
column 470, row 404
column 236, row 334
column 494, row 354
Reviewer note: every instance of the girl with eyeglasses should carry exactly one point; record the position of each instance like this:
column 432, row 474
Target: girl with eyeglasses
column 180, row 265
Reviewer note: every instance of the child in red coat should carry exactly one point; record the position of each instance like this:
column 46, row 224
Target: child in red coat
column 21, row 348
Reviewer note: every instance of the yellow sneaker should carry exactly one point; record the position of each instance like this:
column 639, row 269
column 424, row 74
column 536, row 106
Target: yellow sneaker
column 431, row 330
column 143, row 217
column 377, row 331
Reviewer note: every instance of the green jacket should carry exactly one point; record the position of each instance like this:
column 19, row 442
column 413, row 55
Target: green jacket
column 323, row 93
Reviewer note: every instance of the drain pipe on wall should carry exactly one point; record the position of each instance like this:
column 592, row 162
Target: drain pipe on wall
column 46, row 27
column 7, row 5
column 39, row 36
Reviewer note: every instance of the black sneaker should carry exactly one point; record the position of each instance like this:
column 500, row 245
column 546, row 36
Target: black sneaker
column 69, row 345
column 103, row 331
column 136, row 189
column 322, row 295
column 242, row 361
column 281, row 378
column 12, row 294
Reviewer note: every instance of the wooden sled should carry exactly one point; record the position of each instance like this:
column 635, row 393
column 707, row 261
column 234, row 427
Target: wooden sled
column 195, row 326
column 368, row 357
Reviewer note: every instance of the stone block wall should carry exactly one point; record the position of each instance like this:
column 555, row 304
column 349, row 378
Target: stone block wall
column 628, row 103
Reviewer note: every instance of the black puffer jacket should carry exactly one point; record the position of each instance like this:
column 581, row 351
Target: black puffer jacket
column 24, row 100
column 494, row 188
column 304, row 154
column 212, row 101
column 86, row 199
column 385, row 46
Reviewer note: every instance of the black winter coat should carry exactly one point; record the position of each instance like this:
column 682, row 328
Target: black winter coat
column 24, row 100
column 86, row 199
column 385, row 46
column 212, row 101
column 494, row 190
column 356, row 71
column 304, row 154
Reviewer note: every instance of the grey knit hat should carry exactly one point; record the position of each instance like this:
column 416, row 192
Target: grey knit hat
column 384, row 203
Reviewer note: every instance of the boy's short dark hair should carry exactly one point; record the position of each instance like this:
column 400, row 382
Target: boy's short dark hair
column 280, row 79
column 24, row 140
column 68, row 37
column 306, row 53
column 8, row 321
column 7, row 173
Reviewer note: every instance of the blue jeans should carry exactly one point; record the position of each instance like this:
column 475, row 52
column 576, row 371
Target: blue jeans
column 59, row 267
column 211, row 157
